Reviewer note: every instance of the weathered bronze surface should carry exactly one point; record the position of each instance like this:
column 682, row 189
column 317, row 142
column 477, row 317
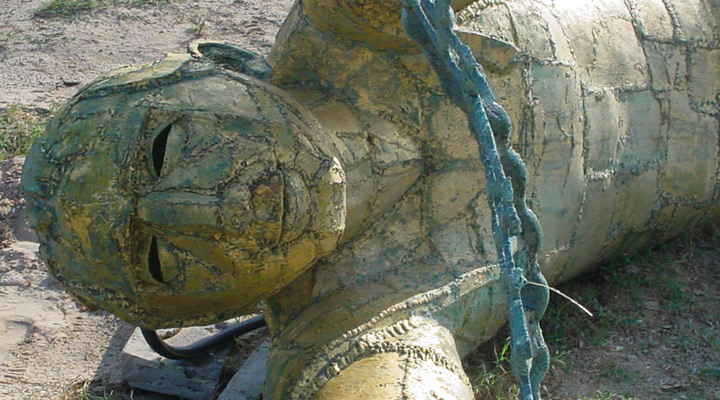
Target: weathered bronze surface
column 346, row 191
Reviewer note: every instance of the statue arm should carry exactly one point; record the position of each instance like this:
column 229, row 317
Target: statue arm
column 414, row 358
column 396, row 376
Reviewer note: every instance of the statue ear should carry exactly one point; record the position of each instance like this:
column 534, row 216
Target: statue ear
column 232, row 57
column 494, row 54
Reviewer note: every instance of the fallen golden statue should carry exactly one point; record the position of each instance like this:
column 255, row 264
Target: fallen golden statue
column 338, row 188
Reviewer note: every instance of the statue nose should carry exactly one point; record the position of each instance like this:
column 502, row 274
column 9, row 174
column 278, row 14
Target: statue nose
column 182, row 210
column 254, row 209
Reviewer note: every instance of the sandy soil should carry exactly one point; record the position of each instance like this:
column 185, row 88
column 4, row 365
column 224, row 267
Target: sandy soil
column 42, row 61
column 51, row 346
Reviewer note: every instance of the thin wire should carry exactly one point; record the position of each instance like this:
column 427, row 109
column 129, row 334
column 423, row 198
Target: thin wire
column 568, row 298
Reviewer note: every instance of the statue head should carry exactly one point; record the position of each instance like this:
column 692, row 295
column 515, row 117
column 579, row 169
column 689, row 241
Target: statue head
column 180, row 193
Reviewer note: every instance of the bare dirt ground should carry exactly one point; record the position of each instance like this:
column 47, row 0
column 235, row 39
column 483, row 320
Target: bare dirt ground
column 50, row 346
column 43, row 60
column 656, row 333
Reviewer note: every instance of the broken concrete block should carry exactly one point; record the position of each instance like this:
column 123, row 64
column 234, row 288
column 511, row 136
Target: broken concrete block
column 194, row 379
column 247, row 383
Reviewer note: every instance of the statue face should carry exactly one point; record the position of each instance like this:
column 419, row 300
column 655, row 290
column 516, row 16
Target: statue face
column 176, row 194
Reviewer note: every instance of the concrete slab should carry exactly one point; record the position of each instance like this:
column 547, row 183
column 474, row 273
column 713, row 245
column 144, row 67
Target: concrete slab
column 247, row 383
column 194, row 379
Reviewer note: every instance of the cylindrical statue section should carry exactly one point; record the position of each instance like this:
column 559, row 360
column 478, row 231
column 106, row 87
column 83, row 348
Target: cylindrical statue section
column 606, row 98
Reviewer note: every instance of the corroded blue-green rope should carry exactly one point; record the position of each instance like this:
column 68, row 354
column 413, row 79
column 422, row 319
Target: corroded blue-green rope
column 430, row 23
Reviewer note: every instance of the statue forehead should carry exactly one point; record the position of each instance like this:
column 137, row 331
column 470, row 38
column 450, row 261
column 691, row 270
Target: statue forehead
column 124, row 111
column 178, row 83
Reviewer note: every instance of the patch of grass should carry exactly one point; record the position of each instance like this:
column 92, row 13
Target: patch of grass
column 489, row 370
column 73, row 8
column 104, row 396
column 615, row 371
column 12, row 35
column 18, row 128
column 198, row 25
column 564, row 324
column 64, row 8
column 488, row 384
column 647, row 275
column 711, row 373
column 139, row 3
column 604, row 395
column 656, row 307
column 81, row 390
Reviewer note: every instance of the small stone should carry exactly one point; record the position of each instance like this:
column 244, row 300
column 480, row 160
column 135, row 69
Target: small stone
column 632, row 269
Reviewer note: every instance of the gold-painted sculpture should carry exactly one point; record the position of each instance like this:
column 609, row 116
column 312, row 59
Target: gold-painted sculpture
column 344, row 189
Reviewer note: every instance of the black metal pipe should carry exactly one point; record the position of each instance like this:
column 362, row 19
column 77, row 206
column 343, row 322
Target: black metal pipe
column 203, row 346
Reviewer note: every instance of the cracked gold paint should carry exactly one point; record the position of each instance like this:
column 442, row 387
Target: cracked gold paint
column 615, row 105
column 603, row 107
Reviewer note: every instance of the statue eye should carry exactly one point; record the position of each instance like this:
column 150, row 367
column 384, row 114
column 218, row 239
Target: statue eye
column 158, row 149
column 154, row 261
